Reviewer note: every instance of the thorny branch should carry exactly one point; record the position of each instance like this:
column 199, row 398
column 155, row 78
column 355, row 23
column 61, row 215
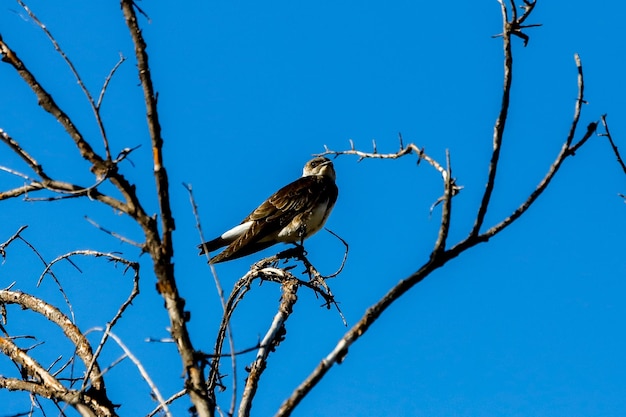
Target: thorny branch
column 274, row 335
column 266, row 270
column 403, row 151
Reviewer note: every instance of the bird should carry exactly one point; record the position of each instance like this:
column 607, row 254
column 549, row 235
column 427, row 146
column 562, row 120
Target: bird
column 290, row 215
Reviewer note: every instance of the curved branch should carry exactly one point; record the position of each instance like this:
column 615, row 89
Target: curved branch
column 71, row 331
column 274, row 335
column 48, row 386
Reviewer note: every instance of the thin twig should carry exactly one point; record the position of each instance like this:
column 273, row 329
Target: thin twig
column 220, row 294
column 607, row 133
column 114, row 234
column 345, row 254
column 16, row 148
column 107, row 80
column 74, row 71
column 142, row 371
column 47, row 183
column 15, row 236
column 241, row 287
column 170, row 400
column 54, row 277
column 134, row 293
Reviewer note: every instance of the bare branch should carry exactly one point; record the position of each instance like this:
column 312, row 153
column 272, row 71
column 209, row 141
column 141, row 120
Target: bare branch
column 265, row 270
column 44, row 383
column 16, row 235
column 606, row 133
column 107, row 80
column 67, row 396
column 345, row 254
column 440, row 255
column 404, row 150
column 134, row 293
column 446, row 212
column 114, row 234
column 30, row 161
column 160, row 247
column 83, row 348
column 154, row 126
column 48, row 104
column 100, row 167
column 241, row 287
column 220, row 294
column 142, row 371
column 566, row 151
column 273, row 337
column 498, row 129
column 579, row 103
column 341, row 348
column 47, row 183
column 57, row 47
column 170, row 400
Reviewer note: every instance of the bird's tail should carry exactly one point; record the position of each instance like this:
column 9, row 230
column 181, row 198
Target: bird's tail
column 212, row 245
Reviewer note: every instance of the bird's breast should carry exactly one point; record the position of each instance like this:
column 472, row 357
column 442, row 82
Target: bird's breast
column 309, row 223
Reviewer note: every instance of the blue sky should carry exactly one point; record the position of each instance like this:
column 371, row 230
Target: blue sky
column 528, row 324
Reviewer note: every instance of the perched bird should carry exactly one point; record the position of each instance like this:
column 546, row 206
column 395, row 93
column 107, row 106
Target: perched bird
column 290, row 215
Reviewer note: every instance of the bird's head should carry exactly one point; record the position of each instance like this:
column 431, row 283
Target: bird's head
column 319, row 166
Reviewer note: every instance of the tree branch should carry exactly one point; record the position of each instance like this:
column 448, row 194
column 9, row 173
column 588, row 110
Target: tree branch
column 274, row 335
column 441, row 256
column 50, row 312
column 607, row 133
column 160, row 247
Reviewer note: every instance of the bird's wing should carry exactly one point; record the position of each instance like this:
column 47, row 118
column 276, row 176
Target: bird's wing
column 277, row 212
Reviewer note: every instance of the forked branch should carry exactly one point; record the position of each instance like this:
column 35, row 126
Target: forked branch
column 440, row 255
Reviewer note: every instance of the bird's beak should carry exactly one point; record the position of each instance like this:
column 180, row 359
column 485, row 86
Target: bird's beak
column 326, row 163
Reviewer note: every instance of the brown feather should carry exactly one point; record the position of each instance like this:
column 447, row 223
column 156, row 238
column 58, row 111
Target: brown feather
column 279, row 210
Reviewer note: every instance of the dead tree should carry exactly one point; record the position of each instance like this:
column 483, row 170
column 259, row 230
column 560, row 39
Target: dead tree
column 79, row 381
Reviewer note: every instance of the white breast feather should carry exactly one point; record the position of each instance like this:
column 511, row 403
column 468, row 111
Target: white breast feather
column 290, row 232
